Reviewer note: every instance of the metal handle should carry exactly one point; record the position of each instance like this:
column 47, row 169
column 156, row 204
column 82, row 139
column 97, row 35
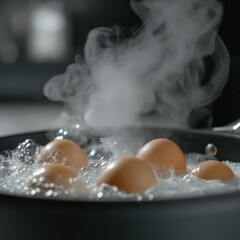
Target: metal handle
column 233, row 127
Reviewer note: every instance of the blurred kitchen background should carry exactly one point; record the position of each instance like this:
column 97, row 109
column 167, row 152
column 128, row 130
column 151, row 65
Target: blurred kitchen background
column 40, row 38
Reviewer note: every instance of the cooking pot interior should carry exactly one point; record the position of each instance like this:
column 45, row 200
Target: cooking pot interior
column 211, row 217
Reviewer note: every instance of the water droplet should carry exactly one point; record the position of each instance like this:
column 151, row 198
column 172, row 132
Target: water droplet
column 60, row 131
column 92, row 153
column 55, row 193
column 100, row 195
column 150, row 197
column 49, row 193
column 33, row 192
column 211, row 150
column 139, row 198
column 27, row 151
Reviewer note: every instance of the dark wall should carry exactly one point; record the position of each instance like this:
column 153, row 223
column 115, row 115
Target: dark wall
column 226, row 108
column 23, row 80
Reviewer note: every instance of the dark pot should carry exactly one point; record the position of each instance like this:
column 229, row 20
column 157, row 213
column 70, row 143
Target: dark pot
column 199, row 218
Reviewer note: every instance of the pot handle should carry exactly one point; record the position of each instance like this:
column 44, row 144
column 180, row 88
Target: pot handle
column 233, row 127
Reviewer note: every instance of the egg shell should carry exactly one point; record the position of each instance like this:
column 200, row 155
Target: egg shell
column 65, row 152
column 213, row 170
column 128, row 174
column 56, row 174
column 164, row 155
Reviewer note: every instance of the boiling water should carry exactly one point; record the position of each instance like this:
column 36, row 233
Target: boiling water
column 17, row 166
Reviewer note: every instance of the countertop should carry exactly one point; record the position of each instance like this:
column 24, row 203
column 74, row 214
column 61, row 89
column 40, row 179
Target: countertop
column 25, row 117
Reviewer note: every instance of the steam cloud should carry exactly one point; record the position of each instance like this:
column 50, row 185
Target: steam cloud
column 160, row 68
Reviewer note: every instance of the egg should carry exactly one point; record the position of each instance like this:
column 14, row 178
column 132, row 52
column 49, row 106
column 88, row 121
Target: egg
column 51, row 174
column 128, row 174
column 213, row 170
column 64, row 152
column 164, row 155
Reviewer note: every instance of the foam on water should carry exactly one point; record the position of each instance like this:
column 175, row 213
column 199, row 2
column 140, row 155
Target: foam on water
column 15, row 174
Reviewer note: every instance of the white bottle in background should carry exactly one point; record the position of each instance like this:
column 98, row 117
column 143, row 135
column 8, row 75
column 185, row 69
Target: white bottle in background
column 49, row 33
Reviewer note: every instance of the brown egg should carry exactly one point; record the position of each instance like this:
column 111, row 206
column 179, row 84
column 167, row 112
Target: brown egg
column 64, row 152
column 212, row 169
column 128, row 174
column 51, row 174
column 164, row 155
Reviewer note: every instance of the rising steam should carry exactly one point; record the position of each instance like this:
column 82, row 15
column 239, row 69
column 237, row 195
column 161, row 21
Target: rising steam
column 175, row 62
